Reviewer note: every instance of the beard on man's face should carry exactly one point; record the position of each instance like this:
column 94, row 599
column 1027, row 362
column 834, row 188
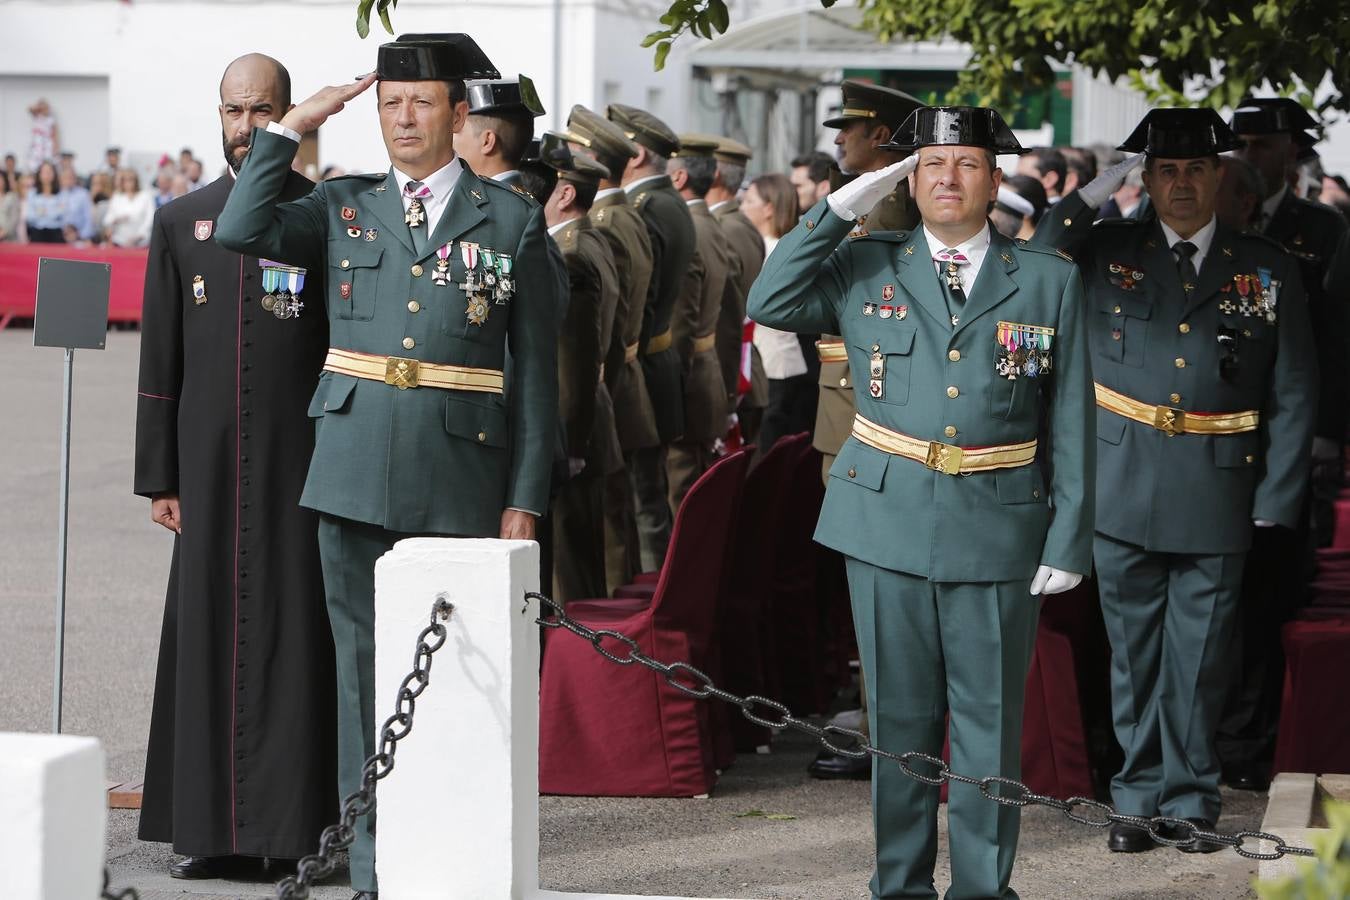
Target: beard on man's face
column 236, row 151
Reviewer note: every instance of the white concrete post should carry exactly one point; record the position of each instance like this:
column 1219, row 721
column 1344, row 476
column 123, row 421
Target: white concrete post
column 459, row 815
column 53, row 815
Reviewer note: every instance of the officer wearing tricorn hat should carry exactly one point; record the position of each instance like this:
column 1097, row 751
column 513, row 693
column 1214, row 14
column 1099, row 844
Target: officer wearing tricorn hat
column 970, row 351
column 432, row 272
column 1205, row 381
column 499, row 127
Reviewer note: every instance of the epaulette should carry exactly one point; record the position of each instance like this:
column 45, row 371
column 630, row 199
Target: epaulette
column 892, row 237
column 1024, row 244
column 600, row 215
column 360, row 176
column 1117, row 221
column 507, row 190
column 1264, row 239
column 640, row 199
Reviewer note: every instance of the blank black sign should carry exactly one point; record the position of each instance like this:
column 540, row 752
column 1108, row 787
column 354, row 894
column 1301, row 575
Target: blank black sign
column 72, row 304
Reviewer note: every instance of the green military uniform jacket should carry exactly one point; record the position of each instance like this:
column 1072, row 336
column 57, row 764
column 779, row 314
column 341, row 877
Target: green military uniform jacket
column 694, row 329
column 745, row 247
column 941, row 383
column 671, row 230
column 1192, row 493
column 834, row 411
column 631, row 250
column 583, row 400
column 422, row 459
column 1317, row 236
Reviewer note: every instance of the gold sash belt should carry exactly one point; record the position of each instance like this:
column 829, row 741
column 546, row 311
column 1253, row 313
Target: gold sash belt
column 831, row 351
column 1172, row 421
column 630, row 352
column 705, row 343
column 659, row 342
column 403, row 373
column 946, row 458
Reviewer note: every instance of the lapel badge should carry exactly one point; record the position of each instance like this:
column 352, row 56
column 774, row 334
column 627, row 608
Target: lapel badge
column 901, row 312
column 887, row 311
column 382, row 188
column 869, row 308
column 371, row 234
column 1006, row 258
column 345, row 290
column 348, row 214
column 475, row 195
column 354, row 231
column 909, row 251
column 198, row 289
column 888, row 293
column 1227, row 251
column 202, row 230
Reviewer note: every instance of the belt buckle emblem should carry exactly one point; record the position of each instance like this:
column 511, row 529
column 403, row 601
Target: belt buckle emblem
column 944, row 458
column 1169, row 421
column 400, row 372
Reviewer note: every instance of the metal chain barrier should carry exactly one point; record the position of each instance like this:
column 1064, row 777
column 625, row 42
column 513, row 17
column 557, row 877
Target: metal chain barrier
column 109, row 894
column 1165, row 830
column 317, row 866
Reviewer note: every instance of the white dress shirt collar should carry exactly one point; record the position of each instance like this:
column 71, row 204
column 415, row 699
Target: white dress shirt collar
column 1270, row 204
column 606, row 192
column 554, row 229
column 1201, row 239
column 502, row 176
column 442, row 185
column 634, row 185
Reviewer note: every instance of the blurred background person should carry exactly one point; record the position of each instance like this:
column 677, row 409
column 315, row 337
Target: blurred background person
column 811, row 178
column 1012, row 213
column 1047, row 165
column 164, row 186
column 77, row 224
column 130, row 212
column 44, row 207
column 1030, row 190
column 193, row 174
column 1080, row 167
column 771, row 203
column 9, row 209
column 1241, row 191
column 112, row 161
column 12, row 170
column 44, row 139
column 100, row 195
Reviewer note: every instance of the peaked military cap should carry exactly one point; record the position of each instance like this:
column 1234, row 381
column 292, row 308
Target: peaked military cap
column 433, row 57
column 961, row 126
column 1179, row 133
column 643, row 128
column 724, row 148
column 696, row 145
column 571, row 165
column 513, row 95
column 599, row 135
column 1271, row 115
column 864, row 100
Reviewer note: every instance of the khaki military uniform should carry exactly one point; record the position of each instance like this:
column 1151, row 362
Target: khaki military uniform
column 746, row 251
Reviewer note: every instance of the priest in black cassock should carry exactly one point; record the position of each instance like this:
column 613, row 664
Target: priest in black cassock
column 241, row 764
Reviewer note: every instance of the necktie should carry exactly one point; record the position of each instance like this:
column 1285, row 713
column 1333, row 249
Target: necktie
column 950, row 263
column 416, row 214
column 1185, row 268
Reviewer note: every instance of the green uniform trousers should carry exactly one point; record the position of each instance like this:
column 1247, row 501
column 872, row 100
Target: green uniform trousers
column 1170, row 618
column 578, row 516
column 930, row 650
column 347, row 552
column 651, row 486
column 623, row 554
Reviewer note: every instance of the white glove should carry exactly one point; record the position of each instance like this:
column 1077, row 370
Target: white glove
column 1050, row 580
column 1324, row 449
column 574, row 466
column 1096, row 191
column 860, row 195
column 1263, row 523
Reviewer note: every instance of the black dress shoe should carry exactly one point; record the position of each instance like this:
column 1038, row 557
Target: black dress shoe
column 1247, row 778
column 1128, row 839
column 834, row 766
column 196, row 867
column 1196, row 846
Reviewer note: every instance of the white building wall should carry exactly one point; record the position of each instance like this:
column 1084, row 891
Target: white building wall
column 162, row 62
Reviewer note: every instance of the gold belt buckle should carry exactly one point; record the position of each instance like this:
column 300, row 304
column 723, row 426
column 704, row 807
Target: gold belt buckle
column 1169, row 421
column 944, row 458
column 400, row 372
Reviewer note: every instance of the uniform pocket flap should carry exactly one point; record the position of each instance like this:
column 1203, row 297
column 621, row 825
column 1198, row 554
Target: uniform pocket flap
column 333, row 395
column 1110, row 427
column 1021, row 485
column 351, row 255
column 893, row 339
column 860, row 464
column 1235, row 451
column 1121, row 303
column 475, row 420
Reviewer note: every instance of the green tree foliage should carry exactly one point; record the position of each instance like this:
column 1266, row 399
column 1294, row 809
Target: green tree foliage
column 1327, row 877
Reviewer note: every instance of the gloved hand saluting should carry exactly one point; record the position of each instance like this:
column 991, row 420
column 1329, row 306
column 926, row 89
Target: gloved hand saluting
column 859, row 196
column 1095, row 192
column 1050, row 580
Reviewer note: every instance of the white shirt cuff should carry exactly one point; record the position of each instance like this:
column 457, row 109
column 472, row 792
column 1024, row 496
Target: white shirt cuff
column 529, row 511
column 278, row 128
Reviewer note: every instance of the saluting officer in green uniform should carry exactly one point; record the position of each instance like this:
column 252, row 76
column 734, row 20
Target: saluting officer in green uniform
column 631, row 247
column 433, row 273
column 584, row 405
column 1206, row 394
column 706, row 286
column 671, row 230
column 964, row 488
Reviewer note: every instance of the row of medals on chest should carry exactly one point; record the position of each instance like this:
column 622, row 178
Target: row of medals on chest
column 487, row 272
column 1257, row 295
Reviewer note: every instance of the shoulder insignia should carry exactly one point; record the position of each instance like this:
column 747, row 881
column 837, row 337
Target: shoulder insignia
column 892, row 237
column 857, row 233
column 1063, row 254
column 640, row 199
column 1023, row 244
column 362, row 176
column 600, row 215
column 1266, row 240
column 1118, row 221
column 515, row 187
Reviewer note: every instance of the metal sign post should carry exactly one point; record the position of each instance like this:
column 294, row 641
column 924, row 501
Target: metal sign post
column 72, row 311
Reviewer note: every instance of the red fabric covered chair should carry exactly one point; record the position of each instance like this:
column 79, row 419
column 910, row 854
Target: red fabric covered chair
column 1341, row 540
column 606, row 730
column 1314, row 733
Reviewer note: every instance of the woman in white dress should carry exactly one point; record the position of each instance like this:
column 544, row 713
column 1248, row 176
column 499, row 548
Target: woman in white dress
column 131, row 212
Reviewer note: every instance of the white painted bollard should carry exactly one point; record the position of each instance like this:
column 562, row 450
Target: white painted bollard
column 459, row 815
column 53, row 816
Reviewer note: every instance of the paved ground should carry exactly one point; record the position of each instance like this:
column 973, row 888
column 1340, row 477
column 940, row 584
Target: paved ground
column 118, row 563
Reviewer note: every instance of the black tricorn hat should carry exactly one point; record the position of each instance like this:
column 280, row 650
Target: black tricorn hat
column 1271, row 115
column 433, row 57
column 517, row 95
column 1181, row 133
column 964, row 126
